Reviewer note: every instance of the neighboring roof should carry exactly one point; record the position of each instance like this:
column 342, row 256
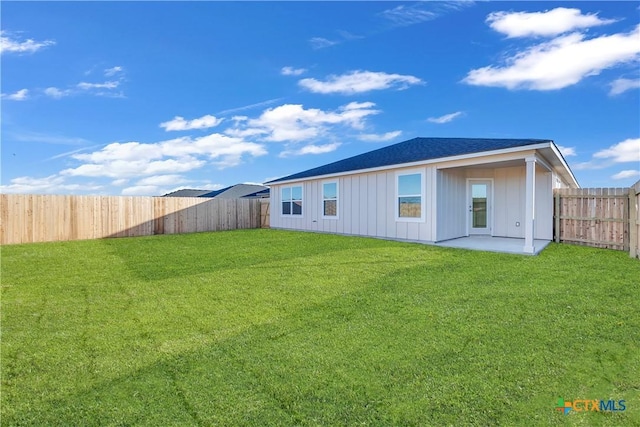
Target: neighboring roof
column 235, row 191
column 187, row 193
column 413, row 150
column 262, row 194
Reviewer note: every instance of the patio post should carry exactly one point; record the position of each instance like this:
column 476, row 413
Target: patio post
column 530, row 205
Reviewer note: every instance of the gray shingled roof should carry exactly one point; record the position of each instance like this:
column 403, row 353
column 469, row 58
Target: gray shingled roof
column 187, row 193
column 413, row 150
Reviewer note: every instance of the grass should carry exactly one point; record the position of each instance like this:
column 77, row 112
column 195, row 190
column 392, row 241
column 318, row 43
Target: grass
column 266, row 327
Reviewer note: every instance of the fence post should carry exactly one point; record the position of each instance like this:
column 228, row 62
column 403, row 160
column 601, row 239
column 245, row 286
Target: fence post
column 633, row 223
column 557, row 215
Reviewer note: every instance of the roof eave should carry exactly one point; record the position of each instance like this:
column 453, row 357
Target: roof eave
column 546, row 144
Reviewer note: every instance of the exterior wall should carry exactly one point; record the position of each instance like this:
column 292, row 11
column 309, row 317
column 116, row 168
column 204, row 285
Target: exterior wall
column 452, row 204
column 543, row 228
column 509, row 201
column 366, row 207
column 367, row 203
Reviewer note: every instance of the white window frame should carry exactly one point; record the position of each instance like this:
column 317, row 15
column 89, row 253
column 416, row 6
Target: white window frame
column 422, row 195
column 337, row 199
column 292, row 215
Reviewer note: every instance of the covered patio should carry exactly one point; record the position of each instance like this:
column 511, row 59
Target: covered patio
column 494, row 244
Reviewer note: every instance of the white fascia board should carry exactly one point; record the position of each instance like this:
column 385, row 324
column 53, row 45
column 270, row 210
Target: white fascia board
column 564, row 164
column 527, row 149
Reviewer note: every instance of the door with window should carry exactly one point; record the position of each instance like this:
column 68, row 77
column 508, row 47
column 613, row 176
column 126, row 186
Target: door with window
column 479, row 205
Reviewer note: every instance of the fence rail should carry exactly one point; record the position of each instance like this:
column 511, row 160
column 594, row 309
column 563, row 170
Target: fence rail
column 599, row 217
column 27, row 218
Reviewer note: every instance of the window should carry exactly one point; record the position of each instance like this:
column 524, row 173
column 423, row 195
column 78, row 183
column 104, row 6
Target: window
column 330, row 199
column 410, row 196
column 292, row 200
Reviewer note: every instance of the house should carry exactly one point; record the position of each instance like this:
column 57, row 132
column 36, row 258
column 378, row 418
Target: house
column 430, row 190
column 238, row 191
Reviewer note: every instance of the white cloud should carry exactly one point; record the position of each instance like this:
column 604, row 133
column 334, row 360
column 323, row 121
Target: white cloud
column 417, row 13
column 56, row 93
column 621, row 85
column 561, row 62
column 548, row 23
column 20, row 95
column 120, row 182
column 179, row 123
column 321, row 42
column 445, row 119
column 53, row 184
column 403, row 15
column 622, row 152
column 311, row 149
column 359, row 82
column 290, row 71
column 372, row 137
column 110, row 72
column 143, row 190
column 134, row 159
column 632, row 173
column 567, row 151
column 250, row 106
column 9, row 44
column 106, row 85
column 157, row 180
column 292, row 123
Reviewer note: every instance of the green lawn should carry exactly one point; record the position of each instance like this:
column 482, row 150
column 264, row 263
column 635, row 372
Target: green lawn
column 267, row 327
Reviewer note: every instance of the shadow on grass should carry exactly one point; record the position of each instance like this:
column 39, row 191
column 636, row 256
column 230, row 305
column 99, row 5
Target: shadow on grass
column 419, row 345
column 168, row 256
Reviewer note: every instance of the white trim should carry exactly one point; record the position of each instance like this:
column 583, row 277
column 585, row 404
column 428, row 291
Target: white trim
column 337, row 183
column 490, row 204
column 525, row 148
column 423, row 185
column 292, row 215
column 560, row 157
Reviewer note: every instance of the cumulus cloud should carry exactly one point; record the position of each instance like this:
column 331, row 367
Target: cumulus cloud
column 10, row 44
column 293, row 123
column 134, row 159
column 359, row 82
column 20, row 95
column 311, row 149
column 567, row 151
column 372, row 137
column 626, row 174
column 290, row 71
column 625, row 151
column 622, row 85
column 561, row 62
column 171, row 179
column 179, row 123
column 52, row 184
column 445, row 119
column 548, row 23
column 56, row 93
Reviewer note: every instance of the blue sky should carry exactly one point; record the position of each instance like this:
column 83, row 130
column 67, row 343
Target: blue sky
column 145, row 98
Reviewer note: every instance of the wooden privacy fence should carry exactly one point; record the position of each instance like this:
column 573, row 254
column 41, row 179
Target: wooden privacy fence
column 599, row 217
column 26, row 218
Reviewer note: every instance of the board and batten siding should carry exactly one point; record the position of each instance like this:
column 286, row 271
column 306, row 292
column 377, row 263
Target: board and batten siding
column 367, row 201
column 366, row 206
column 452, row 204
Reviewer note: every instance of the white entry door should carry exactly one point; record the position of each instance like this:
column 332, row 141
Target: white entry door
column 479, row 205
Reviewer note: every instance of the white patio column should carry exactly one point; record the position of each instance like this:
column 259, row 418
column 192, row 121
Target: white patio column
column 530, row 205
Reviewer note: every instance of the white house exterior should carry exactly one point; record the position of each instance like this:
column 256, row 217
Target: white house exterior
column 503, row 190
